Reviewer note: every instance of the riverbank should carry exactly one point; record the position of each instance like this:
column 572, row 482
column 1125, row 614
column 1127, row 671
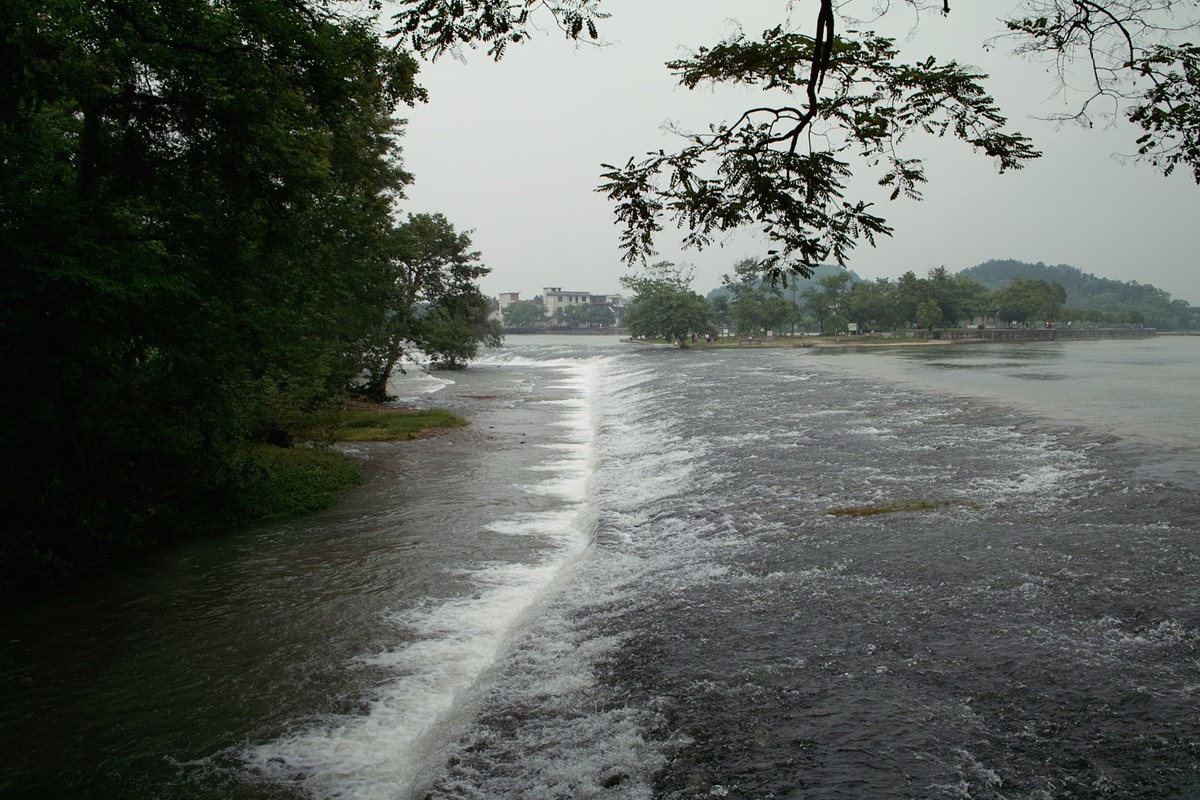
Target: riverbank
column 259, row 482
column 732, row 343
column 308, row 475
column 933, row 338
column 359, row 421
column 1046, row 334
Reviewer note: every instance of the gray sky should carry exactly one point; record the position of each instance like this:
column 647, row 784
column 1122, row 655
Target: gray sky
column 513, row 150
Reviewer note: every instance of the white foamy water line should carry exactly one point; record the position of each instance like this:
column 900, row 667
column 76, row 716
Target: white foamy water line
column 449, row 647
column 550, row 730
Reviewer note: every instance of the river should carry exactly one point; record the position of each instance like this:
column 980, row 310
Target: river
column 959, row 571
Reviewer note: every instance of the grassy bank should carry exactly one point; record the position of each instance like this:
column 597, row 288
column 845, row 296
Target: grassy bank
column 362, row 422
column 306, row 477
column 254, row 483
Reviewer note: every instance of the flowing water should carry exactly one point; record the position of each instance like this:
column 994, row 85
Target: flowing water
column 964, row 571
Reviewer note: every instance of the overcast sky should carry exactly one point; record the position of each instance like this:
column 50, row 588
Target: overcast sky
column 512, row 151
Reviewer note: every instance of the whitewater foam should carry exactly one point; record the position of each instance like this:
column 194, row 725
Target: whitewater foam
column 446, row 648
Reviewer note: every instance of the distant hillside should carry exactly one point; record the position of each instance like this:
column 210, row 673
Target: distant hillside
column 801, row 283
column 1087, row 291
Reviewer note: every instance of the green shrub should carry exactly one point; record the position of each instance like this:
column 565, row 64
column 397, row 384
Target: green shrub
column 287, row 481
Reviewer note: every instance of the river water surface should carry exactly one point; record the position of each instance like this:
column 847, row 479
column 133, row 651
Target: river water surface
column 961, row 571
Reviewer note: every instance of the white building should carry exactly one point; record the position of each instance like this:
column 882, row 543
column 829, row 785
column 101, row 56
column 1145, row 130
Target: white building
column 508, row 297
column 554, row 298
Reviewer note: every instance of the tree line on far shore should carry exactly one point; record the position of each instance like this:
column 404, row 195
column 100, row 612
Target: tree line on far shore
column 837, row 302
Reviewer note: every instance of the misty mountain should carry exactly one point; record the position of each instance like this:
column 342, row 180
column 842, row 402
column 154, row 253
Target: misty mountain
column 1087, row 291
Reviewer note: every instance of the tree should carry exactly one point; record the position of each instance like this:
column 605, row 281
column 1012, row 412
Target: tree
column 195, row 204
column 750, row 310
column 1029, row 299
column 757, row 306
column 872, row 305
column 432, row 265
column 1140, row 67
column 450, row 331
column 766, row 170
column 968, row 299
column 778, row 312
column 600, row 316
column 827, row 299
column 911, row 293
column 664, row 306
column 589, row 315
column 957, row 296
column 523, row 314
column 929, row 314
column 783, row 166
column 720, row 309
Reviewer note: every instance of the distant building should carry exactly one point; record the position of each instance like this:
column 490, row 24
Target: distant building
column 554, row 298
column 617, row 303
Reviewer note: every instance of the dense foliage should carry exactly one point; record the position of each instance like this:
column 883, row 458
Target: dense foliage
column 664, row 305
column 586, row 315
column 757, row 306
column 524, row 315
column 434, row 306
column 198, row 253
column 994, row 293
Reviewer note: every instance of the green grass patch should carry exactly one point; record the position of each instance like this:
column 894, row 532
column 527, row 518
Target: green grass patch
column 890, row 508
column 386, row 424
column 239, row 486
column 288, row 481
column 282, row 482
